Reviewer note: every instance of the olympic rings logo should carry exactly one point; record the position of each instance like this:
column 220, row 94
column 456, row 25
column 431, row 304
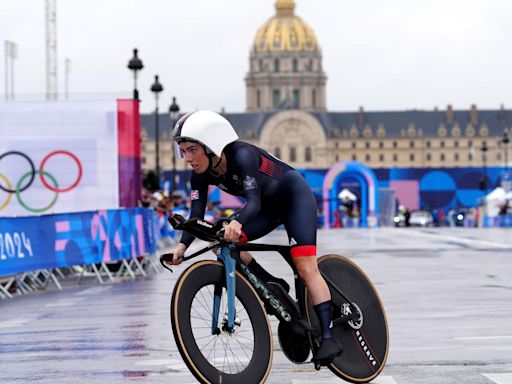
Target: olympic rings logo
column 28, row 178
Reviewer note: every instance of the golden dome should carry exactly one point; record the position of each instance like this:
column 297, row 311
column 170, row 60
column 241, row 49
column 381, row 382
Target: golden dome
column 285, row 32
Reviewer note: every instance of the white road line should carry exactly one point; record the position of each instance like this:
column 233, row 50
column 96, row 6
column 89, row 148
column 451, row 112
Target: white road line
column 13, row 323
column 384, row 380
column 174, row 364
column 378, row 380
column 483, row 338
column 475, row 243
column 64, row 302
column 499, row 378
column 94, row 290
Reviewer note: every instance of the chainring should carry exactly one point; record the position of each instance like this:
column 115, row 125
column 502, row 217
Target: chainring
column 294, row 345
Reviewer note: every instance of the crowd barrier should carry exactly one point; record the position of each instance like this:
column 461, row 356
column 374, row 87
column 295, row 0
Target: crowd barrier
column 107, row 244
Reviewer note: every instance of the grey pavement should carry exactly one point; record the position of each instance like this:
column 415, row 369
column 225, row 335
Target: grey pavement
column 447, row 294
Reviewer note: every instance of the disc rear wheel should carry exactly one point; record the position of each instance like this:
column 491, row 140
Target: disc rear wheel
column 365, row 337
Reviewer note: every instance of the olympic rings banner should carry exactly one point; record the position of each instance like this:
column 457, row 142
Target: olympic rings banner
column 68, row 156
column 63, row 240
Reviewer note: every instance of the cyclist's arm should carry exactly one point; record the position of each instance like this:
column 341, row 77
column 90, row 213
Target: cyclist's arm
column 247, row 161
column 198, row 198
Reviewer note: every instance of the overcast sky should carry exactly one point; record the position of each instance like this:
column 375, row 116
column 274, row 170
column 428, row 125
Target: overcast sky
column 383, row 55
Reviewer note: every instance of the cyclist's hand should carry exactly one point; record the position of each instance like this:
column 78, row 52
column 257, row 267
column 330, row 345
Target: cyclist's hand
column 233, row 231
column 177, row 254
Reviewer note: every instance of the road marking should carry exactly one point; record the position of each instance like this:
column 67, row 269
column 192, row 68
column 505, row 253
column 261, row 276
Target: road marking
column 474, row 243
column 499, row 378
column 64, row 303
column 174, row 364
column 483, row 338
column 378, row 380
column 94, row 290
column 384, row 380
column 15, row 323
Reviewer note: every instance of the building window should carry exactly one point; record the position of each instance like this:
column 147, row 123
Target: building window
column 296, row 98
column 498, row 156
column 395, row 144
column 308, row 155
column 395, row 157
column 456, row 144
column 442, row 157
column 143, row 160
column 276, row 65
column 470, row 143
column 354, row 145
column 429, row 157
column 310, row 64
column 258, row 98
column 354, row 157
column 336, row 145
column 261, row 65
column 470, row 156
column 337, row 158
column 411, row 144
column 381, row 157
column 456, row 157
column 411, row 157
column 442, row 144
column 428, row 144
column 313, row 96
column 381, row 144
column 293, row 154
column 276, row 98
column 368, row 158
column 295, row 65
column 277, row 152
column 367, row 144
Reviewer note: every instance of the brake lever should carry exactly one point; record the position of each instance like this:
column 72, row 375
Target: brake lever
column 167, row 257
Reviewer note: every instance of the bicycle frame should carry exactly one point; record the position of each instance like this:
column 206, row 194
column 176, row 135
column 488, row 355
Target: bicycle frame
column 229, row 255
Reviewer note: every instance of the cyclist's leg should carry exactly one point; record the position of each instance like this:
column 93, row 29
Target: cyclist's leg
column 299, row 217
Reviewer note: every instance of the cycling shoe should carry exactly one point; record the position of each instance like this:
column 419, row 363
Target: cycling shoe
column 329, row 349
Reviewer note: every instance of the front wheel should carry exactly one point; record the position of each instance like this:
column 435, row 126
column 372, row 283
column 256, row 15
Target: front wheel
column 365, row 338
column 228, row 356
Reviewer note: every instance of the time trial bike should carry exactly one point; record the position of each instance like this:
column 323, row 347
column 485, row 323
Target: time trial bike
column 220, row 314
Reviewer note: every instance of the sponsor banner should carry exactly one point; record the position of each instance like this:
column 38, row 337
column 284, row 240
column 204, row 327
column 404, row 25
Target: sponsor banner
column 63, row 240
column 58, row 157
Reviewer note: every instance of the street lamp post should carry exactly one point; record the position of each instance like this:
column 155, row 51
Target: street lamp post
column 174, row 111
column 505, row 140
column 156, row 88
column 483, row 182
column 135, row 64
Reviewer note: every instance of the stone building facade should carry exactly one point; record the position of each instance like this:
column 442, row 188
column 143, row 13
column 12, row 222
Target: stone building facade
column 286, row 114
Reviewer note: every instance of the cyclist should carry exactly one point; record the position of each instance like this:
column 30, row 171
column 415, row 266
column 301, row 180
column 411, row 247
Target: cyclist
column 275, row 194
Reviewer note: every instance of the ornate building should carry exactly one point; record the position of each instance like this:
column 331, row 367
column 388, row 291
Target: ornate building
column 285, row 65
column 286, row 114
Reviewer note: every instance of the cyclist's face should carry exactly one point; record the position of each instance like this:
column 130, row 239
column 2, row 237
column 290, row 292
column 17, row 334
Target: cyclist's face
column 194, row 154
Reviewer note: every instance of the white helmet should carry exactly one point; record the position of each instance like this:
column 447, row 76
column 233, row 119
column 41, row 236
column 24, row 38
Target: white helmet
column 207, row 128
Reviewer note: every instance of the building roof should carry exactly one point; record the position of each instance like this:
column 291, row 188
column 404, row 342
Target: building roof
column 339, row 124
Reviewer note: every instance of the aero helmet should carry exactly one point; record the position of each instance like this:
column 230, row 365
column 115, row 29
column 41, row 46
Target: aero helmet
column 207, row 128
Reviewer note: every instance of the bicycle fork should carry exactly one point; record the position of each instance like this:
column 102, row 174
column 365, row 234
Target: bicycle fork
column 229, row 266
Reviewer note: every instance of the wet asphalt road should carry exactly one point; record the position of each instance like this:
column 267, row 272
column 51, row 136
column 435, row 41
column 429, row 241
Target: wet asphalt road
column 447, row 293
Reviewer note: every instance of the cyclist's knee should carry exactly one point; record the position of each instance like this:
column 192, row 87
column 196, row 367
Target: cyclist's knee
column 307, row 268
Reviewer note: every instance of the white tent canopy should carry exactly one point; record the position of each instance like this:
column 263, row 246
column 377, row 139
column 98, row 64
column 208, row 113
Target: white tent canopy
column 495, row 200
column 345, row 194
